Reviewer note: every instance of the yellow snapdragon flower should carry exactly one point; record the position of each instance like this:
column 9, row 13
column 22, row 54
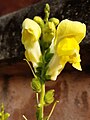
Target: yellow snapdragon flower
column 31, row 33
column 66, row 46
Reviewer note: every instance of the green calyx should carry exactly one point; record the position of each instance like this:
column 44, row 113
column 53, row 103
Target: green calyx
column 36, row 85
column 49, row 97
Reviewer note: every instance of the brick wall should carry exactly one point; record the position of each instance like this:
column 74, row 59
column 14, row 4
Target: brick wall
column 72, row 89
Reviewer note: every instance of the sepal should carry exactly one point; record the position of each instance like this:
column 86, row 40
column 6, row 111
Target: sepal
column 36, row 85
column 49, row 97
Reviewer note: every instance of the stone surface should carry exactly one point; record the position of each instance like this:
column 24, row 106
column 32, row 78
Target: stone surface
column 10, row 29
column 10, row 25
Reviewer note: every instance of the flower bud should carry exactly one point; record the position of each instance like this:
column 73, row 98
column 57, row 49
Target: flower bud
column 49, row 31
column 49, row 97
column 39, row 20
column 54, row 20
column 47, row 12
column 36, row 85
column 47, row 8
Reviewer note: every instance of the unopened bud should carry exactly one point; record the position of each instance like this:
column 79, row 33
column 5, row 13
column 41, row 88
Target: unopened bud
column 39, row 20
column 49, row 32
column 54, row 20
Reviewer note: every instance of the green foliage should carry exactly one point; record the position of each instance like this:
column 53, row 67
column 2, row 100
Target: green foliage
column 48, row 56
column 43, row 66
column 3, row 115
column 49, row 97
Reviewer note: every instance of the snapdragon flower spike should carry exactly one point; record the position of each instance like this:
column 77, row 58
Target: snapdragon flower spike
column 66, row 47
column 48, row 32
column 31, row 33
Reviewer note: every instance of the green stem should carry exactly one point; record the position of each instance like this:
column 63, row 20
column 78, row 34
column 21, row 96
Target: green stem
column 41, row 104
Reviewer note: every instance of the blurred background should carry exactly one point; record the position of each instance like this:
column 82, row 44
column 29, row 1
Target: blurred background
column 72, row 87
column 7, row 6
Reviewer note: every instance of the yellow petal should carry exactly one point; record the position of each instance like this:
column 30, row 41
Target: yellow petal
column 54, row 67
column 31, row 31
column 67, row 47
column 77, row 66
column 68, row 28
column 63, row 60
column 29, row 56
column 27, row 38
column 74, row 58
column 33, row 54
column 75, row 61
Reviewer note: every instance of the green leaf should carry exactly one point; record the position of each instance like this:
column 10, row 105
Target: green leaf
column 3, row 115
column 6, row 116
column 48, row 56
column 43, row 66
column 38, row 71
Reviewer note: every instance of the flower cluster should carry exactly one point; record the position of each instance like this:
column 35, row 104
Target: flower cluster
column 49, row 45
column 64, row 42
